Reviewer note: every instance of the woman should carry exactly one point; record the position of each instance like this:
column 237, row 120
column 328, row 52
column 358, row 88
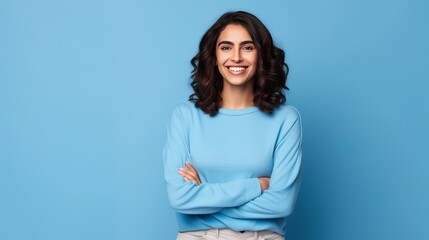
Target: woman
column 232, row 158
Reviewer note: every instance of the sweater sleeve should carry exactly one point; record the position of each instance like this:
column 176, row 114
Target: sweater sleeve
column 279, row 199
column 187, row 197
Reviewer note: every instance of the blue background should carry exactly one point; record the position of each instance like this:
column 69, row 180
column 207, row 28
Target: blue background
column 86, row 89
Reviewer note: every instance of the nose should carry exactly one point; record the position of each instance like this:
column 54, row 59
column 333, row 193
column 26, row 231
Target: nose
column 236, row 55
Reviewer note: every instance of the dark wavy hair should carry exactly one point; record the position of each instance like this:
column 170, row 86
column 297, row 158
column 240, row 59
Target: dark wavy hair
column 270, row 77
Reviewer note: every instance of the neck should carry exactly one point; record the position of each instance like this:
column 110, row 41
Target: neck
column 236, row 97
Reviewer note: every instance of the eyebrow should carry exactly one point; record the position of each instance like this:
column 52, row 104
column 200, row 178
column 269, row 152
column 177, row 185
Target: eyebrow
column 231, row 43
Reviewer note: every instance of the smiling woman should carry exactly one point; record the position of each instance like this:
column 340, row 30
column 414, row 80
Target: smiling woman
column 236, row 58
column 238, row 39
column 232, row 158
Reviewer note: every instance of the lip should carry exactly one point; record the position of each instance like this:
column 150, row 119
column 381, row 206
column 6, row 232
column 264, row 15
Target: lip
column 244, row 66
column 237, row 69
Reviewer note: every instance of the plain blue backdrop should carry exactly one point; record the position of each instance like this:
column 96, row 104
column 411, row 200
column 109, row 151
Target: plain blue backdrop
column 86, row 89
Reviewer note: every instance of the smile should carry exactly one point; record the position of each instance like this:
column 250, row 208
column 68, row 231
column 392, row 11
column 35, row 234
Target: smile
column 237, row 70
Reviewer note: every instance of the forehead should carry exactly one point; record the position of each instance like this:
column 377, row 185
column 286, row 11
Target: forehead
column 234, row 33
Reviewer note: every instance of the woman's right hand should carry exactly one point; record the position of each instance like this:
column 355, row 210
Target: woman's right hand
column 190, row 173
column 265, row 183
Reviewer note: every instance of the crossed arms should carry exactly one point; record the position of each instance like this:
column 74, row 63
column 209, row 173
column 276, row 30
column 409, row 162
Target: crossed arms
column 253, row 198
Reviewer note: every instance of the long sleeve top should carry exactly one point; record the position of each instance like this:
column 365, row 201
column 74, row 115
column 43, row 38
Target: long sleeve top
column 231, row 151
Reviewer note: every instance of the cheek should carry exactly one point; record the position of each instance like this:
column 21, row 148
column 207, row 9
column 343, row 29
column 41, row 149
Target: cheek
column 255, row 59
column 221, row 58
column 255, row 65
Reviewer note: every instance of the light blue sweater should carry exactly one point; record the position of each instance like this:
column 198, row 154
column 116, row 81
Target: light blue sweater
column 230, row 151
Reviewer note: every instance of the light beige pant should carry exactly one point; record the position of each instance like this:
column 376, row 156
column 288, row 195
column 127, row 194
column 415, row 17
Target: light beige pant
column 228, row 234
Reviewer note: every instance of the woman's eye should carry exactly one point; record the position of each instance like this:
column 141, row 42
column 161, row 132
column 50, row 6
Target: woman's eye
column 248, row 48
column 225, row 48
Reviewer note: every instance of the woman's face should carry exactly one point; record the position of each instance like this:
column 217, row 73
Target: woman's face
column 236, row 56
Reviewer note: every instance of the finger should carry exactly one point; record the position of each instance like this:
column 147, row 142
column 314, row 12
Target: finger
column 191, row 167
column 194, row 178
column 190, row 174
column 189, row 171
column 198, row 180
column 187, row 175
column 193, row 172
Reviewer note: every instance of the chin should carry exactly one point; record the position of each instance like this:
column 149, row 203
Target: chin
column 237, row 82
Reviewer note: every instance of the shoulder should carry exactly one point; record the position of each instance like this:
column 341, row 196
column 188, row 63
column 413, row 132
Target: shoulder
column 185, row 108
column 287, row 112
column 184, row 112
column 290, row 121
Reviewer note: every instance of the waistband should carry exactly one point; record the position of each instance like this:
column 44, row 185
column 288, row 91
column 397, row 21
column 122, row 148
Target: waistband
column 226, row 233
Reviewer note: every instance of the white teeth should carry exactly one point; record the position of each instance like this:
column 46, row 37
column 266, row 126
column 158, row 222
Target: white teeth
column 236, row 69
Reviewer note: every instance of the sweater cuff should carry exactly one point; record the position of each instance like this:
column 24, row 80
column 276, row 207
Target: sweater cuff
column 253, row 189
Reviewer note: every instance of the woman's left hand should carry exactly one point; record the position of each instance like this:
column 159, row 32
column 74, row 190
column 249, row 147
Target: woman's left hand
column 190, row 174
